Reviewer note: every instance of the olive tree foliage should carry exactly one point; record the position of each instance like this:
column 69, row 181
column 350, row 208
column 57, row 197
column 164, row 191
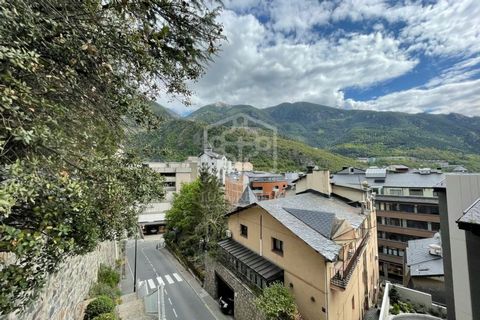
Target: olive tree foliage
column 74, row 76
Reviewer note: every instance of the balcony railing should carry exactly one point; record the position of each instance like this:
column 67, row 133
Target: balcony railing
column 344, row 272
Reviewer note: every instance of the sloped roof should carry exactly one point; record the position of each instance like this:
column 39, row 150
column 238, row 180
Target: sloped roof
column 322, row 222
column 472, row 214
column 247, row 198
column 307, row 208
column 401, row 180
column 419, row 259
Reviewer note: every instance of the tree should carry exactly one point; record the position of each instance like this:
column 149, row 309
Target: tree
column 277, row 303
column 212, row 207
column 198, row 212
column 74, row 77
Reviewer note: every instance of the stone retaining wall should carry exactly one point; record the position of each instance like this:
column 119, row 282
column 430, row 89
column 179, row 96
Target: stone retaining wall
column 65, row 291
column 244, row 298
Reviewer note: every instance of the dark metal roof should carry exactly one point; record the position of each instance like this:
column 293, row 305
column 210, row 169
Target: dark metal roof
column 257, row 263
column 322, row 222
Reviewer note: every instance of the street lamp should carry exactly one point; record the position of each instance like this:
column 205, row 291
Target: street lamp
column 135, row 258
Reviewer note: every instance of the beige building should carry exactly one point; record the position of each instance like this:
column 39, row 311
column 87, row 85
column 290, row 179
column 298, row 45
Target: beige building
column 176, row 173
column 321, row 248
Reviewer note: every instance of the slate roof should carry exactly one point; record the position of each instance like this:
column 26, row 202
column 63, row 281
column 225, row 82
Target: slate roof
column 310, row 218
column 322, row 222
column 212, row 154
column 472, row 214
column 247, row 198
column 402, row 180
column 419, row 259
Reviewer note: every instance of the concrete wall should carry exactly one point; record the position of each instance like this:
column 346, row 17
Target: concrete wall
column 65, row 291
column 317, row 180
column 461, row 191
column 245, row 308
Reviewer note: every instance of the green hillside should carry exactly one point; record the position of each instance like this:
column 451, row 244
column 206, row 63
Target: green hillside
column 177, row 139
column 363, row 133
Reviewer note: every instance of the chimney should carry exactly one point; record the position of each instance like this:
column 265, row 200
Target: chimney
column 310, row 167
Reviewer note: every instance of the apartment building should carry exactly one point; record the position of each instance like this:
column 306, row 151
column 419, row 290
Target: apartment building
column 459, row 198
column 406, row 208
column 265, row 185
column 215, row 162
column 321, row 248
column 176, row 173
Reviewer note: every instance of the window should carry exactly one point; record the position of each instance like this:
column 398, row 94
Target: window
column 392, row 222
column 244, row 231
column 277, row 246
column 417, row 224
column 435, row 226
column 407, row 207
column 427, row 209
column 396, row 192
column 416, row 192
column 379, row 220
column 353, row 302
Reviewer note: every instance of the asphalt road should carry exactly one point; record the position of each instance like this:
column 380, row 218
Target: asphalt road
column 154, row 267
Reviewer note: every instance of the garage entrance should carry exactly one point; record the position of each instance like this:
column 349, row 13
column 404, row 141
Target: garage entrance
column 225, row 295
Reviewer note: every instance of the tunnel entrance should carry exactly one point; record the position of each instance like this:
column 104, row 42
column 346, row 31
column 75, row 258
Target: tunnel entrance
column 225, row 296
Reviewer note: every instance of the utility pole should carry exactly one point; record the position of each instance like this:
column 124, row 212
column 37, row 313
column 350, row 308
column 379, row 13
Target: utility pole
column 135, row 266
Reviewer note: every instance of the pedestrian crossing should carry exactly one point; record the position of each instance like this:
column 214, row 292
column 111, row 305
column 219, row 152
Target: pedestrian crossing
column 166, row 279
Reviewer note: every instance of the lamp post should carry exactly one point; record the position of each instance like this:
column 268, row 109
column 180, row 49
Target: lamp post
column 135, row 266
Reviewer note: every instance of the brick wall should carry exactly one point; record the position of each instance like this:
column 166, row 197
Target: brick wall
column 65, row 291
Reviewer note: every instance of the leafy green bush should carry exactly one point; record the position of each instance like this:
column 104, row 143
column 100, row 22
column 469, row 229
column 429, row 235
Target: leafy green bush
column 108, row 276
column 102, row 304
column 395, row 309
column 393, row 295
column 104, row 289
column 106, row 316
column 277, row 303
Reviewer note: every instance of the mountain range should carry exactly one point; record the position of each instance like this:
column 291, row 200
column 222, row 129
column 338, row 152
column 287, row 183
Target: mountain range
column 327, row 136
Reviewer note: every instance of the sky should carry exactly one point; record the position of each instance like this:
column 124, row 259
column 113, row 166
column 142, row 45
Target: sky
column 409, row 56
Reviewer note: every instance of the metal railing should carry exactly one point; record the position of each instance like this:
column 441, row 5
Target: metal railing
column 343, row 273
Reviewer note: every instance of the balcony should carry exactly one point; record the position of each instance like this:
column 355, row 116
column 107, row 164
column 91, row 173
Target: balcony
column 253, row 269
column 343, row 270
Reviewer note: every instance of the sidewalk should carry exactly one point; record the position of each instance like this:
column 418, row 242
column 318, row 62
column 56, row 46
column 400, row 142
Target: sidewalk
column 209, row 302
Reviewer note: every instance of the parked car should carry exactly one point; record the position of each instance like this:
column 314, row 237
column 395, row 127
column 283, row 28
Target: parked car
column 226, row 305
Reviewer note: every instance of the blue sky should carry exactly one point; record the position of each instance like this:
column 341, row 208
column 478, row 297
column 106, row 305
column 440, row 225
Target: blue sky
column 411, row 56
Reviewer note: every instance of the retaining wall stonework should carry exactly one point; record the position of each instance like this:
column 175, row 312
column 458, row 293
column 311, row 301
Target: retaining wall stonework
column 63, row 297
column 244, row 298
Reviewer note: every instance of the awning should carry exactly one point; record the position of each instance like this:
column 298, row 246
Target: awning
column 257, row 263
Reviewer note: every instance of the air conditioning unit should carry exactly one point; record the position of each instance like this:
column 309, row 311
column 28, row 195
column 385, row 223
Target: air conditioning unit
column 228, row 233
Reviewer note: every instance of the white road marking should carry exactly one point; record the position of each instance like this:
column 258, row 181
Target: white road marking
column 160, row 280
column 177, row 277
column 151, row 284
column 174, row 312
column 169, row 279
column 170, row 301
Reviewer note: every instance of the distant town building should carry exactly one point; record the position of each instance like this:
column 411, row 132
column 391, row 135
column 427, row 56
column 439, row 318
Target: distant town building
column 459, row 196
column 243, row 166
column 424, row 267
column 152, row 219
column 407, row 208
column 460, row 169
column 216, row 162
column 176, row 173
column 264, row 185
column 320, row 247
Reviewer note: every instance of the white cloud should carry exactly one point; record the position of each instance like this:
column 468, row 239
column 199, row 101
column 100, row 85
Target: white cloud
column 250, row 71
column 287, row 58
column 462, row 97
